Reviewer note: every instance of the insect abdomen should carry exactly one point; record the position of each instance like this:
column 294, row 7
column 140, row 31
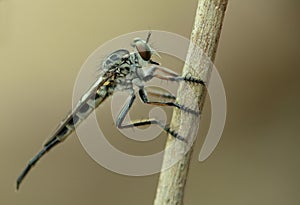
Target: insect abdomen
column 84, row 108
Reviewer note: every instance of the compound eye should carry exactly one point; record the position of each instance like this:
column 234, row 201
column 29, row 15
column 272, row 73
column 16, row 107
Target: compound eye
column 144, row 50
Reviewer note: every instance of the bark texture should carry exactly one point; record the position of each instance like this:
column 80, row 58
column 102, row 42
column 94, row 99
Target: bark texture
column 205, row 35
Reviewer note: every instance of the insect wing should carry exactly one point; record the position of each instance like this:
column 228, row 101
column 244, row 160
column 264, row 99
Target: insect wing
column 115, row 59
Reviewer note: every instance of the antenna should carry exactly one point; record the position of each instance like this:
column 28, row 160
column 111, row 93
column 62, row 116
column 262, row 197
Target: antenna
column 148, row 37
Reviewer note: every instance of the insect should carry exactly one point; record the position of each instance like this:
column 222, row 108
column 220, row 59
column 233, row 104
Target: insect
column 122, row 71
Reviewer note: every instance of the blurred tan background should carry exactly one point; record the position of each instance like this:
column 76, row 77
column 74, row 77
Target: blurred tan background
column 44, row 43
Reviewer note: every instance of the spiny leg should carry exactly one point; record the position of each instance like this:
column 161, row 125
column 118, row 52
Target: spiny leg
column 150, row 73
column 159, row 94
column 156, row 122
column 125, row 111
column 144, row 97
column 34, row 160
column 189, row 79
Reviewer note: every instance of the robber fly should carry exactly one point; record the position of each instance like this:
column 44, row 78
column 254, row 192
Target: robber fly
column 122, row 70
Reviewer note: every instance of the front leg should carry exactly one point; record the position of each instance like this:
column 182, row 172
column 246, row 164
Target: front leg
column 171, row 75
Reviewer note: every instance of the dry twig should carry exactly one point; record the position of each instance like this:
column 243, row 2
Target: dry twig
column 205, row 35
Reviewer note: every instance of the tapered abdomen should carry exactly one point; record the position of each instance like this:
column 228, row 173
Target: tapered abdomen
column 82, row 110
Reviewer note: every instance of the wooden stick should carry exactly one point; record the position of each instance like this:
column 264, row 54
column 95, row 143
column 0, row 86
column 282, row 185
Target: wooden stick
column 205, row 35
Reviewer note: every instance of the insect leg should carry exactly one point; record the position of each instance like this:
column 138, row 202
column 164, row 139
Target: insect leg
column 171, row 75
column 126, row 109
column 144, row 97
column 159, row 94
